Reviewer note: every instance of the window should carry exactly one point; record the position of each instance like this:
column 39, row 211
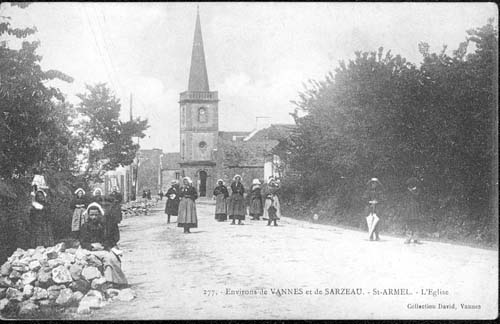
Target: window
column 202, row 115
column 202, row 145
column 177, row 175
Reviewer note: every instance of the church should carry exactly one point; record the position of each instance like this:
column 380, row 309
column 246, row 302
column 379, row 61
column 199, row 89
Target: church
column 206, row 154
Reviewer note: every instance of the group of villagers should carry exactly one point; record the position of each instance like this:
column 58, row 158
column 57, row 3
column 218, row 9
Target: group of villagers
column 262, row 202
column 94, row 224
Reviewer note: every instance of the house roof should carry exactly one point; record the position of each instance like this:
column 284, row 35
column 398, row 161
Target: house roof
column 229, row 135
column 273, row 132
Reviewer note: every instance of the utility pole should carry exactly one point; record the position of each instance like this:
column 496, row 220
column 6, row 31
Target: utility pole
column 131, row 191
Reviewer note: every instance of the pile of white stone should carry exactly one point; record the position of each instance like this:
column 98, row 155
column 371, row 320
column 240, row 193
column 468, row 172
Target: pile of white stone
column 138, row 207
column 54, row 277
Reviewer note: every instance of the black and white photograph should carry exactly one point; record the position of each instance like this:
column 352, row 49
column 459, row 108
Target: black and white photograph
column 248, row 161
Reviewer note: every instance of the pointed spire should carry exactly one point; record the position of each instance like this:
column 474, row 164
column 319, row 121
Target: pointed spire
column 198, row 77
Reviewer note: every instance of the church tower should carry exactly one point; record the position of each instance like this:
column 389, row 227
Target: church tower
column 199, row 124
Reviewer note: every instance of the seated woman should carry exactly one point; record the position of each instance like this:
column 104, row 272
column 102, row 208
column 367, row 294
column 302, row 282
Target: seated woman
column 93, row 239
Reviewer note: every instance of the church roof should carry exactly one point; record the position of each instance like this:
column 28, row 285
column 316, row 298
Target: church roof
column 198, row 77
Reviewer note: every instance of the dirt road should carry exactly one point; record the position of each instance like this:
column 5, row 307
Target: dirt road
column 233, row 272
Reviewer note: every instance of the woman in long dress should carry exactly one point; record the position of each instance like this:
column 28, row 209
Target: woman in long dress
column 173, row 199
column 374, row 196
column 93, row 238
column 220, row 195
column 114, row 216
column 78, row 205
column 411, row 211
column 272, row 210
column 187, row 207
column 236, row 208
column 256, row 209
column 41, row 230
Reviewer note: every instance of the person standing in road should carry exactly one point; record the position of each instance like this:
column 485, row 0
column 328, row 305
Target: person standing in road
column 374, row 196
column 236, row 208
column 272, row 210
column 187, row 207
column 256, row 209
column 40, row 218
column 114, row 216
column 220, row 196
column 411, row 211
column 173, row 199
column 78, row 205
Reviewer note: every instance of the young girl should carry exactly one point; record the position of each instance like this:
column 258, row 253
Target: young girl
column 220, row 195
column 272, row 210
column 78, row 205
column 256, row 210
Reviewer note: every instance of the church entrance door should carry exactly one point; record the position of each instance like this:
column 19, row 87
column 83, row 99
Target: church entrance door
column 203, row 184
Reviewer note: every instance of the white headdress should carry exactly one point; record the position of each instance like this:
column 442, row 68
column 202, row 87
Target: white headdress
column 78, row 190
column 237, row 176
column 94, row 204
column 96, row 190
column 256, row 182
column 220, row 180
column 188, row 179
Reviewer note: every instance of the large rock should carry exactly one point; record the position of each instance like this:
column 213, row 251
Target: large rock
column 15, row 274
column 2, row 292
column 93, row 299
column 38, row 256
column 14, row 294
column 5, row 269
column 3, row 303
column 81, row 285
column 39, row 293
column 67, row 258
column 44, row 278
column 46, row 302
column 76, row 297
column 20, row 267
column 56, row 287
column 76, row 271
column 64, row 298
column 28, row 291
column 28, row 277
column 71, row 251
column 92, row 260
column 111, row 293
column 53, row 263
column 126, row 295
column 5, row 282
column 28, row 308
column 53, row 294
column 90, row 273
column 82, row 309
column 61, row 275
column 30, row 252
column 98, row 283
column 81, row 254
column 34, row 265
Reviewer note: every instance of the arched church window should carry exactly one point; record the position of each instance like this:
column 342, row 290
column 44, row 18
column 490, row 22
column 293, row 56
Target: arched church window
column 202, row 115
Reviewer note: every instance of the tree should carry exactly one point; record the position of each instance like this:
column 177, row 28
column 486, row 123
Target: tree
column 108, row 142
column 34, row 118
column 381, row 116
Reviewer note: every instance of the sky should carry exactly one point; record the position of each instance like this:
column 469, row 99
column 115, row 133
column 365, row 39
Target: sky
column 259, row 55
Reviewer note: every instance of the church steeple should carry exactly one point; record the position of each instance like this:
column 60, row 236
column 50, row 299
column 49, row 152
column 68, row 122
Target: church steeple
column 198, row 77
